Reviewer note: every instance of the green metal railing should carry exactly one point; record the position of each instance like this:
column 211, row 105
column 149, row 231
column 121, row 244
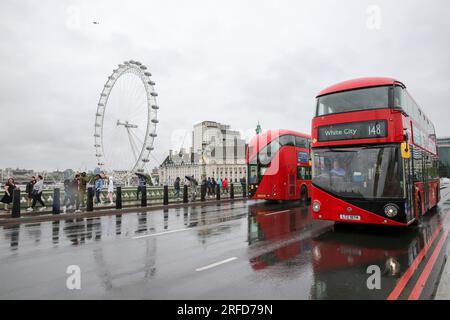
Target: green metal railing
column 129, row 195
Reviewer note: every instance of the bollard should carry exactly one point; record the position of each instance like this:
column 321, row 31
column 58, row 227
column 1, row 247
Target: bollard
column 118, row 198
column 185, row 194
column 56, row 207
column 218, row 192
column 203, row 192
column 15, row 211
column 231, row 191
column 90, row 200
column 143, row 196
column 166, row 195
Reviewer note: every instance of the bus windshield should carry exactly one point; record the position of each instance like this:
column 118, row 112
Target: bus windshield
column 355, row 100
column 362, row 173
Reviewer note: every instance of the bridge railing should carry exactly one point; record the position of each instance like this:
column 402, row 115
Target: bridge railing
column 129, row 195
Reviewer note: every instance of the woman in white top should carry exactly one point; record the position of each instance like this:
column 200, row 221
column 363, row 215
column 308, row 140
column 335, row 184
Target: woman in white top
column 110, row 189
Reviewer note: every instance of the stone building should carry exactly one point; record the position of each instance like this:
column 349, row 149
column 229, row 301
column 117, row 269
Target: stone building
column 217, row 151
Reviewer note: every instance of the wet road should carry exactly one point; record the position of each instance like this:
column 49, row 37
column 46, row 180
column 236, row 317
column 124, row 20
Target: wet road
column 242, row 250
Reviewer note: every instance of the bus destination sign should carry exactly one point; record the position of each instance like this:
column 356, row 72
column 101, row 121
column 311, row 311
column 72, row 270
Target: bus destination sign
column 354, row 130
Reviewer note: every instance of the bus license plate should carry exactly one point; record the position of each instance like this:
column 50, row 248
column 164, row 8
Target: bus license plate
column 350, row 217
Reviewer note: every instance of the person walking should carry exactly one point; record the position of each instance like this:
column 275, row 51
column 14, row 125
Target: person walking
column 98, row 185
column 213, row 186
column 219, row 185
column 225, row 185
column 209, row 186
column 38, row 188
column 29, row 190
column 110, row 189
column 141, row 185
column 194, row 184
column 82, row 186
column 243, row 183
column 177, row 187
column 75, row 192
column 8, row 196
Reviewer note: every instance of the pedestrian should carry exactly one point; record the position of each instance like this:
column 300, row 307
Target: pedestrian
column 213, row 186
column 225, row 185
column 75, row 192
column 67, row 195
column 141, row 185
column 209, row 186
column 29, row 190
column 243, row 183
column 219, row 185
column 110, row 189
column 194, row 184
column 38, row 188
column 98, row 185
column 177, row 187
column 82, row 185
column 8, row 196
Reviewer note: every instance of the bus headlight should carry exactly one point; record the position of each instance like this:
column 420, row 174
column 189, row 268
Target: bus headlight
column 316, row 206
column 391, row 210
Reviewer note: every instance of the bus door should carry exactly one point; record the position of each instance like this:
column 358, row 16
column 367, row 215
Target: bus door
column 292, row 182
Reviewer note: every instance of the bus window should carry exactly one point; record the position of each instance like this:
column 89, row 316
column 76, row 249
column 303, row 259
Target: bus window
column 287, row 140
column 301, row 142
column 253, row 175
column 355, row 100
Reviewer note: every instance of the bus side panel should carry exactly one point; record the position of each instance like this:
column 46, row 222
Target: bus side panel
column 434, row 193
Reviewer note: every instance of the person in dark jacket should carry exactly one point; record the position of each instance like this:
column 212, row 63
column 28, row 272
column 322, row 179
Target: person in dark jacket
column 177, row 187
column 209, row 186
column 29, row 190
column 8, row 196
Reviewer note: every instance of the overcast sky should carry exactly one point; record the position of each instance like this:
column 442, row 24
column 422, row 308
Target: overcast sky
column 235, row 62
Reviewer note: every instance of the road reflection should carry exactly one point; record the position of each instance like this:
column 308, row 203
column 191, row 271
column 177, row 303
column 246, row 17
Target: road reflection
column 340, row 256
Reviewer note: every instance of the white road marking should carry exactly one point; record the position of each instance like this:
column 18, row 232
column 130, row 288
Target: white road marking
column 278, row 212
column 215, row 264
column 161, row 233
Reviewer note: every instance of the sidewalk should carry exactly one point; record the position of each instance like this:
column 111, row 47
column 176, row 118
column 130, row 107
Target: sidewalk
column 37, row 216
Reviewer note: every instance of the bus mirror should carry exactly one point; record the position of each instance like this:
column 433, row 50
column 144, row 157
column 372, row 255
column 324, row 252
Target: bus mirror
column 406, row 151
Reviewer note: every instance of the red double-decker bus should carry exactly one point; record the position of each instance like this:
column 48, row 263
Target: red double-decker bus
column 374, row 155
column 279, row 166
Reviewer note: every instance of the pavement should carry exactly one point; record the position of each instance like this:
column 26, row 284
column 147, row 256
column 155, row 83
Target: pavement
column 229, row 250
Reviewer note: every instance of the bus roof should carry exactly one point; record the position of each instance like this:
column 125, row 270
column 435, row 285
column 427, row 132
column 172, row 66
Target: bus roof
column 266, row 137
column 359, row 84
